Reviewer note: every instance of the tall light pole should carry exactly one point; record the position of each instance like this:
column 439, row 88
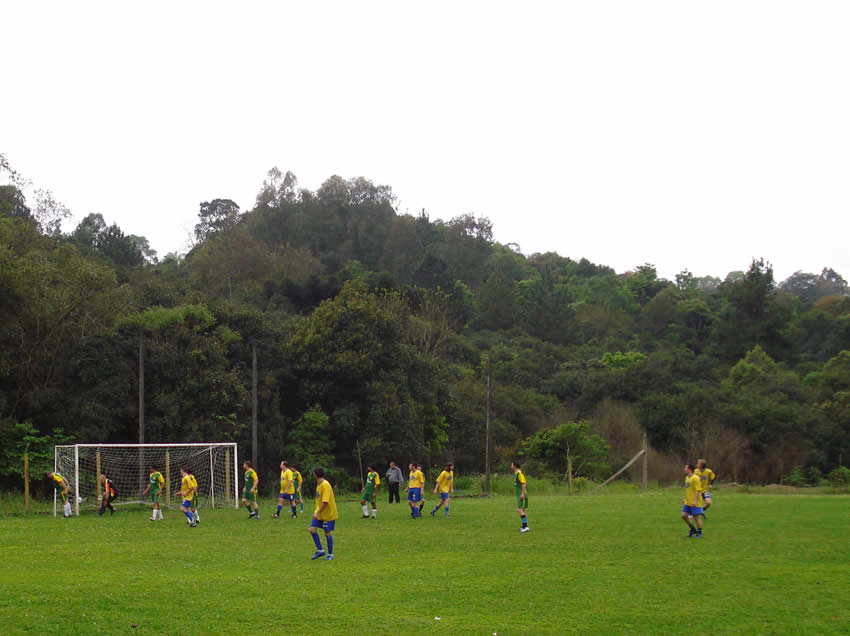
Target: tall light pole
column 487, row 427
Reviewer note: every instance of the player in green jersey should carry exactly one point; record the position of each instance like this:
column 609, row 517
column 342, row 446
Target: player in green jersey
column 369, row 493
column 156, row 480
column 249, row 492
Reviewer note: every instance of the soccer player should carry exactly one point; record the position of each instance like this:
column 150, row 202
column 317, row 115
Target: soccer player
column 194, row 507
column 706, row 479
column 521, row 489
column 187, row 494
column 421, row 501
column 298, row 480
column 414, row 489
column 691, row 503
column 369, row 493
column 445, row 484
column 63, row 489
column 109, row 494
column 324, row 515
column 287, row 490
column 156, row 480
column 249, row 492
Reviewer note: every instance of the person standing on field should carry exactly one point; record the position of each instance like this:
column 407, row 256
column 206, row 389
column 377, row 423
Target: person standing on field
column 195, row 497
column 109, row 493
column 156, row 480
column 706, row 479
column 446, row 485
column 298, row 480
column 324, row 515
column 187, row 495
column 249, row 492
column 394, row 478
column 369, row 493
column 63, row 489
column 287, row 491
column 414, row 490
column 691, row 503
column 521, row 489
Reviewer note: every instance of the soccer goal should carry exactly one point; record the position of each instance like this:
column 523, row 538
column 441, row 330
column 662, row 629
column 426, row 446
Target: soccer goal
column 215, row 466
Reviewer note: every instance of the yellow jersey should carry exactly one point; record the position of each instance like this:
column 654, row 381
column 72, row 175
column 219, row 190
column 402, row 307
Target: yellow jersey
column 57, row 478
column 445, row 480
column 187, row 488
column 692, row 490
column 194, row 485
column 705, row 478
column 325, row 494
column 287, row 487
column 417, row 479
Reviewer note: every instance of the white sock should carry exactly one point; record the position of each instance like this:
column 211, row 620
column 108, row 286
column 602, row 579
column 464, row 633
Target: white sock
column 374, row 513
column 197, row 516
column 365, row 511
column 67, row 508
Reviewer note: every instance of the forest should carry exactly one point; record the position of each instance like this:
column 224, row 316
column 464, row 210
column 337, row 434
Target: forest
column 376, row 333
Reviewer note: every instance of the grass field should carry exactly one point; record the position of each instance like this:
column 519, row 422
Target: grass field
column 591, row 564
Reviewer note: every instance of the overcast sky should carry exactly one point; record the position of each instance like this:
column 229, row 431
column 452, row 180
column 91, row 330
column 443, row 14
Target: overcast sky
column 688, row 135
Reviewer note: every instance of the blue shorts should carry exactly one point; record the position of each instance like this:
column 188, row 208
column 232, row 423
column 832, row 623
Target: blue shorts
column 444, row 495
column 289, row 498
column 414, row 494
column 186, row 503
column 706, row 496
column 692, row 510
column 327, row 526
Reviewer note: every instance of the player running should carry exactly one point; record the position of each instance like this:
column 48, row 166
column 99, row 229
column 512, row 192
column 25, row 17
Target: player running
column 421, row 501
column 369, row 492
column 249, row 492
column 195, row 497
column 287, row 490
column 706, row 479
column 156, row 480
column 63, row 489
column 414, row 489
column 110, row 493
column 324, row 515
column 298, row 481
column 691, row 503
column 521, row 489
column 446, row 485
column 188, row 487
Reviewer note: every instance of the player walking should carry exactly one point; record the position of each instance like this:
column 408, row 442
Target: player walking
column 324, row 515
column 298, row 481
column 63, row 488
column 369, row 492
column 109, row 494
column 187, row 494
column 249, row 492
column 155, row 482
column 446, row 485
column 706, row 479
column 691, row 503
column 414, row 489
column 521, row 489
column 287, row 490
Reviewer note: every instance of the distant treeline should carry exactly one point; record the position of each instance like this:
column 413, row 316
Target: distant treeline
column 375, row 332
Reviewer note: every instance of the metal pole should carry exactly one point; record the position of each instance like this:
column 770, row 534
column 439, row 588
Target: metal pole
column 235, row 477
column 77, row 480
column 55, row 469
column 212, row 479
column 487, row 429
column 141, row 408
column 645, row 454
column 254, row 405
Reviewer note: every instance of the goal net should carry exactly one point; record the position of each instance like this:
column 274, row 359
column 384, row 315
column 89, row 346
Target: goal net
column 215, row 466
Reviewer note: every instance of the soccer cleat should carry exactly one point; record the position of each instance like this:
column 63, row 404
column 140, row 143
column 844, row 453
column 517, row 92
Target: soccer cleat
column 330, row 557
column 319, row 554
column 691, row 533
column 365, row 517
column 524, row 529
column 152, row 519
column 194, row 524
column 293, row 516
column 433, row 512
column 275, row 516
column 698, row 535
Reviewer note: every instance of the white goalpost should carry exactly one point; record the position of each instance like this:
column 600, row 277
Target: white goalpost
column 215, row 466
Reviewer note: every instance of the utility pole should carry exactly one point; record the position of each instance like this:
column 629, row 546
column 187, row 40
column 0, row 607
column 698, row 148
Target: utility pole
column 254, row 404
column 141, row 408
column 645, row 461
column 487, row 427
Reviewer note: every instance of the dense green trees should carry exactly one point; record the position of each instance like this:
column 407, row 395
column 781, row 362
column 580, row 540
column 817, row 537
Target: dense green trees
column 374, row 330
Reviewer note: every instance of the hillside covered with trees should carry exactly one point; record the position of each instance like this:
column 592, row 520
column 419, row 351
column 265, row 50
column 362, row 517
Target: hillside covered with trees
column 376, row 330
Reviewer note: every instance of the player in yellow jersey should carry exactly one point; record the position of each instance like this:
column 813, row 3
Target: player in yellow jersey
column 691, row 503
column 287, row 490
column 298, row 481
column 414, row 489
column 706, row 479
column 187, row 494
column 249, row 492
column 195, row 497
column 324, row 515
column 446, row 485
column 521, row 490
column 155, row 482
column 63, row 489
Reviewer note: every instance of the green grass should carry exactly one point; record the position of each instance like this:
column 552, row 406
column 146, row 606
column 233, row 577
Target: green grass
column 618, row 563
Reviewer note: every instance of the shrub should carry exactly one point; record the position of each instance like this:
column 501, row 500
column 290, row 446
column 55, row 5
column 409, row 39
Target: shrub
column 839, row 476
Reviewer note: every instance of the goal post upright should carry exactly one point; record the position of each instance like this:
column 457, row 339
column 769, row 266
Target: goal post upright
column 235, row 477
column 77, row 480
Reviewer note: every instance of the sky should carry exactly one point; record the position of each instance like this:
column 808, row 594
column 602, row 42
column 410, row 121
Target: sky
column 682, row 134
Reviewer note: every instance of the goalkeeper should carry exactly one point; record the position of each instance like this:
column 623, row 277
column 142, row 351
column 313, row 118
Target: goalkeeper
column 63, row 489
column 154, row 487
column 110, row 493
